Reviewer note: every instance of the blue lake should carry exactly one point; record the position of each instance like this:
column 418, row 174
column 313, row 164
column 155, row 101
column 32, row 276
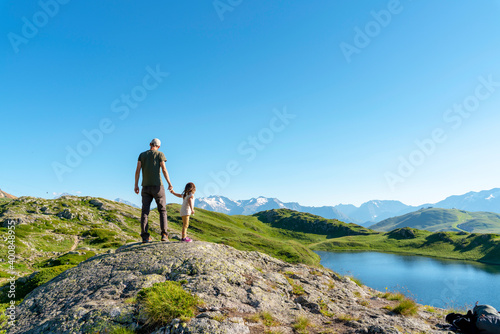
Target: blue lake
column 429, row 281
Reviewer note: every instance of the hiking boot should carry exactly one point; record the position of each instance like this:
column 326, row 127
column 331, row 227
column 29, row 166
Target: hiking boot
column 164, row 237
column 145, row 241
column 186, row 239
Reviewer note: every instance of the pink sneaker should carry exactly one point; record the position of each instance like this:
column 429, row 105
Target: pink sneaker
column 186, row 239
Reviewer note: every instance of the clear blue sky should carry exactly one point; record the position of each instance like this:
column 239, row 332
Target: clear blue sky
column 359, row 83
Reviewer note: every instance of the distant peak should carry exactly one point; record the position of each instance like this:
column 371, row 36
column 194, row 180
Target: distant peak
column 3, row 194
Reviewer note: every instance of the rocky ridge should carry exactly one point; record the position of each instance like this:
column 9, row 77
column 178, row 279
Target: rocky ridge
column 3, row 194
column 234, row 285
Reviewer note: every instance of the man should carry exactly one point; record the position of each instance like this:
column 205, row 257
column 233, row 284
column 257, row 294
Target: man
column 151, row 162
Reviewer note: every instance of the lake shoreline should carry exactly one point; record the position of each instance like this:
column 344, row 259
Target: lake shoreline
column 442, row 283
column 353, row 250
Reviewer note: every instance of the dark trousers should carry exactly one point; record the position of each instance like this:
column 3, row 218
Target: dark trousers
column 158, row 194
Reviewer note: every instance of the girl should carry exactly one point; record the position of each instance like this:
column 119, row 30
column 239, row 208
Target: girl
column 187, row 208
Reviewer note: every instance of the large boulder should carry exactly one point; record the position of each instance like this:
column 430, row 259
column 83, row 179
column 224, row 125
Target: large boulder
column 238, row 288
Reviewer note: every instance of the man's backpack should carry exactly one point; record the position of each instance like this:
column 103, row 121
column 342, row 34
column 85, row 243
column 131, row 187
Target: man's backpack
column 487, row 319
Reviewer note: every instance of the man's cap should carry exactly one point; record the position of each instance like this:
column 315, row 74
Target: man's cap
column 155, row 142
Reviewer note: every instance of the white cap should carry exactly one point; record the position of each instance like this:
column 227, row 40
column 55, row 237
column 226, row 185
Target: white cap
column 155, row 142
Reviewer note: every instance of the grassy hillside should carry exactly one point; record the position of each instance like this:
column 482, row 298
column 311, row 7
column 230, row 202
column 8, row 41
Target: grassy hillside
column 47, row 230
column 53, row 235
column 436, row 220
column 450, row 245
column 339, row 236
column 310, row 224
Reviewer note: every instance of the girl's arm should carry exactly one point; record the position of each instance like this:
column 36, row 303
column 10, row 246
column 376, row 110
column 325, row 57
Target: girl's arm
column 191, row 203
column 175, row 194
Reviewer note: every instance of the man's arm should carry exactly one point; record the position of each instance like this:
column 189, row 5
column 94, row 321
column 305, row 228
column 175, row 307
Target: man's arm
column 165, row 173
column 137, row 174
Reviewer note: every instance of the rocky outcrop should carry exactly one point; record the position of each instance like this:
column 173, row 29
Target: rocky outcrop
column 3, row 194
column 238, row 288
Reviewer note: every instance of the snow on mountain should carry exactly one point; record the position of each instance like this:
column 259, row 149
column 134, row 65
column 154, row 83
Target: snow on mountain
column 367, row 214
column 377, row 210
column 218, row 204
column 121, row 200
column 254, row 205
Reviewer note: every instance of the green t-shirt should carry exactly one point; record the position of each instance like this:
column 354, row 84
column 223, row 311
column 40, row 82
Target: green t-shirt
column 151, row 167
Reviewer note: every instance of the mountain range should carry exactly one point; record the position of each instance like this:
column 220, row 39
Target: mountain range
column 367, row 214
column 121, row 200
column 249, row 207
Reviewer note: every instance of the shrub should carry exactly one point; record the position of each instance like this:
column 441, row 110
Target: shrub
column 100, row 235
column 406, row 307
column 166, row 301
column 301, row 324
column 393, row 296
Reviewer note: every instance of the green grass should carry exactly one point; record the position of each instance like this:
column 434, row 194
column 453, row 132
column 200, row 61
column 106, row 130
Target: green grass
column 4, row 320
column 265, row 318
column 66, row 259
column 99, row 235
column 120, row 330
column 347, row 318
column 323, row 309
column 34, row 281
column 248, row 233
column 393, row 296
column 406, row 307
column 357, row 281
column 301, row 324
column 166, row 301
column 297, row 289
